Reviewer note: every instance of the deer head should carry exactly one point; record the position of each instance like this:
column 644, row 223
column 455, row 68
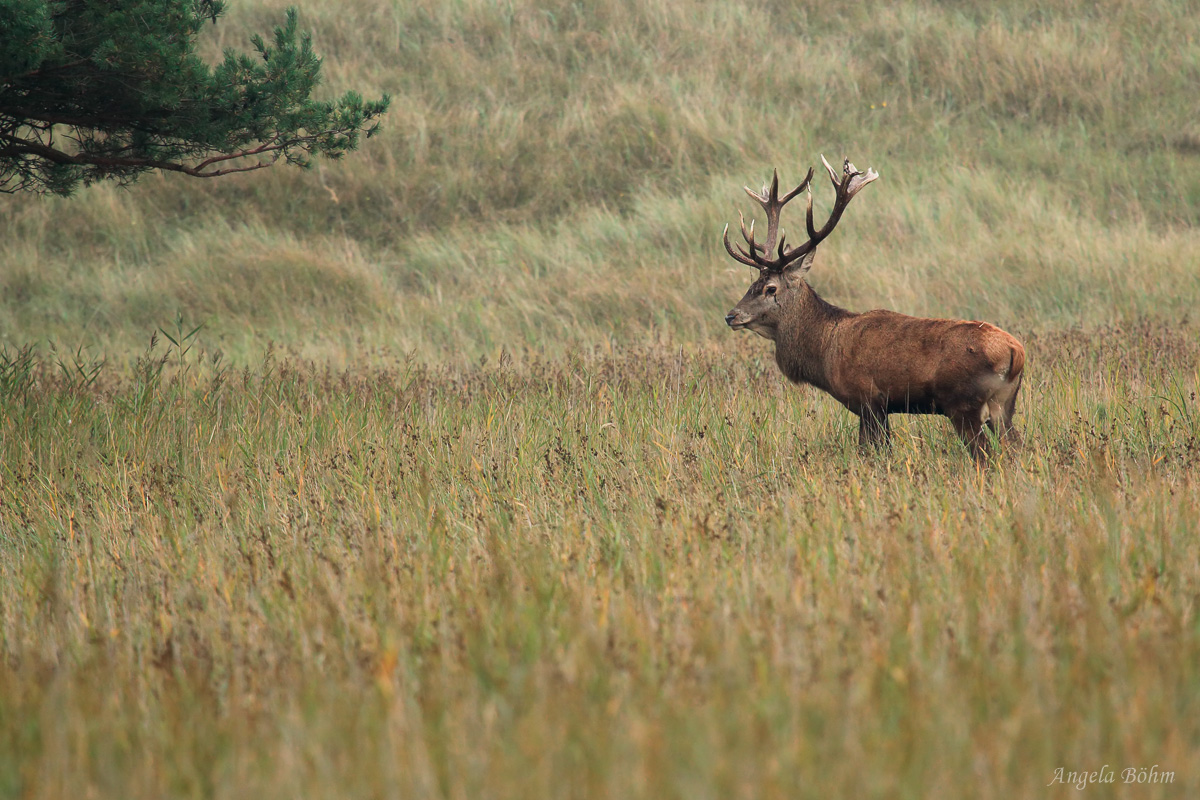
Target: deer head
column 780, row 277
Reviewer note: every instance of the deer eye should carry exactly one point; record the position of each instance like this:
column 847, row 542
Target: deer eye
column 770, row 290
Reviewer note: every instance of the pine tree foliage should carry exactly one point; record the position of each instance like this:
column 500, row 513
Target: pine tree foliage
column 109, row 89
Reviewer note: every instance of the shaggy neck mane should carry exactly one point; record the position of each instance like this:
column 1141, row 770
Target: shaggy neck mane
column 802, row 349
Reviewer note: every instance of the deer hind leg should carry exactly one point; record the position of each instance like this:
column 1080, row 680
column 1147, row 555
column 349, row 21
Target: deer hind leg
column 970, row 426
column 1010, row 433
column 873, row 429
column 1000, row 409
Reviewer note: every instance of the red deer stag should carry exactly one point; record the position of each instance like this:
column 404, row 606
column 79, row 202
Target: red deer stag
column 878, row 362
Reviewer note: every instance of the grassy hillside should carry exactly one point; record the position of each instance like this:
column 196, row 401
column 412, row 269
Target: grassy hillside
column 465, row 490
column 557, row 175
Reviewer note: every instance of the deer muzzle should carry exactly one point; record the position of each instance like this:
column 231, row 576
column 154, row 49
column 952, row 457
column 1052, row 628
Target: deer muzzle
column 735, row 319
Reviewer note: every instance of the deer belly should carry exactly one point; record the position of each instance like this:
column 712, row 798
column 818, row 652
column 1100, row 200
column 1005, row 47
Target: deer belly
column 918, row 400
column 920, row 404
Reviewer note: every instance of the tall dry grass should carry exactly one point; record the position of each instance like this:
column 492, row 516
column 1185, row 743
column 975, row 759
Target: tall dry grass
column 551, row 168
column 650, row 573
column 464, row 490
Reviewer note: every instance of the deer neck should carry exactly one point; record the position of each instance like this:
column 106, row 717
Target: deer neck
column 803, row 339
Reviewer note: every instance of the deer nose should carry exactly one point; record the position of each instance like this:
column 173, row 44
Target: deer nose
column 729, row 318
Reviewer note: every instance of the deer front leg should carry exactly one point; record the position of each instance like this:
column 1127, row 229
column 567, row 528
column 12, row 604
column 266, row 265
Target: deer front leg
column 873, row 429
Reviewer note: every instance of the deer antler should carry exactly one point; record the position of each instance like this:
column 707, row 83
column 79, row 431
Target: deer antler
column 772, row 204
column 851, row 183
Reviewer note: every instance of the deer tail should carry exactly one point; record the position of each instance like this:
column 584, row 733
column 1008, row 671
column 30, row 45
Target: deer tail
column 1016, row 361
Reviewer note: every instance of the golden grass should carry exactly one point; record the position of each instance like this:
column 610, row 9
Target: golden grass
column 643, row 574
column 505, row 510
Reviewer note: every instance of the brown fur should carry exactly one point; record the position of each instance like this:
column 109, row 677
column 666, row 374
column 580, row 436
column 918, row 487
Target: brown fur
column 879, row 362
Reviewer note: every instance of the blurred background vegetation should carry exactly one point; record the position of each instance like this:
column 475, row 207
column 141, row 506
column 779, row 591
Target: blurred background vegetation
column 557, row 174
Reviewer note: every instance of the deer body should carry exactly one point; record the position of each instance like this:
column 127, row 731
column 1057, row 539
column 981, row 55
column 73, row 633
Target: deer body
column 878, row 362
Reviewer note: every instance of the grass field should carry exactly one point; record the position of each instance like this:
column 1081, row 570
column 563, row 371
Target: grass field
column 464, row 490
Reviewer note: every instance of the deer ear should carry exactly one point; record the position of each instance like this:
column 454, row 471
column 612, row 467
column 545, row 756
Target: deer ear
column 798, row 269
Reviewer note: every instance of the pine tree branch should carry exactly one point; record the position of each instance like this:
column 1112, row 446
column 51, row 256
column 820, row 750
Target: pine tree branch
column 23, row 147
column 99, row 100
column 53, row 118
column 38, row 73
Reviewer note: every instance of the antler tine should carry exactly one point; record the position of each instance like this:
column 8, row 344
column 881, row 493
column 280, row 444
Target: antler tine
column 804, row 184
column 749, row 237
column 808, row 218
column 768, row 193
column 739, row 254
column 772, row 205
column 851, row 183
column 833, row 176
